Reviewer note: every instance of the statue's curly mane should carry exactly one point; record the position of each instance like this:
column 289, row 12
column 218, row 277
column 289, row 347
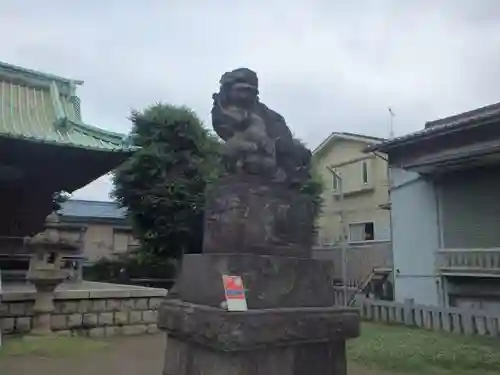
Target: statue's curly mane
column 231, row 120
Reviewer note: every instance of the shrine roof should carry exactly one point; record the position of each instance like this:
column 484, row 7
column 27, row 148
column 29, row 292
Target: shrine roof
column 44, row 108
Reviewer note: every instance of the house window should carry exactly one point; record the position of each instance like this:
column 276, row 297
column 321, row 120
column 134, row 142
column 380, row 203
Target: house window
column 365, row 172
column 335, row 182
column 120, row 241
column 361, row 232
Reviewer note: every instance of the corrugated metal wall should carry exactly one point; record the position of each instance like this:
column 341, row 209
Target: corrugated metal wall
column 469, row 203
column 415, row 237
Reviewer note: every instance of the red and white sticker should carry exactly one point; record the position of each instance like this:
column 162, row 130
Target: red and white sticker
column 235, row 293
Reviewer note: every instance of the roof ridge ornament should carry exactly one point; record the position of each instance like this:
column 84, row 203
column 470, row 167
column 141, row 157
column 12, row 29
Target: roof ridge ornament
column 61, row 122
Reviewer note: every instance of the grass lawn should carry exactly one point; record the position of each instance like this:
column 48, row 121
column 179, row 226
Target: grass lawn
column 417, row 351
column 381, row 350
column 52, row 346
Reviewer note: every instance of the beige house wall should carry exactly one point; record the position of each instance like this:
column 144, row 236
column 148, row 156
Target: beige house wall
column 101, row 240
column 361, row 200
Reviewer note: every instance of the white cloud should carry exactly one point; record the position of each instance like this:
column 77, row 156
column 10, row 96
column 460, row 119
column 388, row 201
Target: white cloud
column 324, row 65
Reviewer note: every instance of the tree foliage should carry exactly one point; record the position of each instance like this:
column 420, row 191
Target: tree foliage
column 162, row 185
column 314, row 188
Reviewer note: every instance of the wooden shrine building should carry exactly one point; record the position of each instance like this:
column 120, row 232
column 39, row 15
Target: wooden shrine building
column 45, row 148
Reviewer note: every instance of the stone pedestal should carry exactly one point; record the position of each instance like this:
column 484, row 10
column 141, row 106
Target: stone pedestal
column 45, row 282
column 245, row 214
column 262, row 232
column 42, row 309
column 286, row 341
column 270, row 281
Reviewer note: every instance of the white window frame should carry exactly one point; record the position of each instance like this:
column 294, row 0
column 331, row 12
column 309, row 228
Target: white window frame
column 361, row 223
column 364, row 172
column 335, row 182
column 117, row 231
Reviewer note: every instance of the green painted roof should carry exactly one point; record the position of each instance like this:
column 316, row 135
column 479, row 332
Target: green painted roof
column 42, row 107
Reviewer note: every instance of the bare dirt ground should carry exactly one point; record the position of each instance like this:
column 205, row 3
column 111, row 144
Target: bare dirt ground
column 125, row 356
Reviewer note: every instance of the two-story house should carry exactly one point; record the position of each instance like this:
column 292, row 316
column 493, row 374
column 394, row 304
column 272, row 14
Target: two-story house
column 356, row 185
column 355, row 197
column 102, row 227
column 445, row 208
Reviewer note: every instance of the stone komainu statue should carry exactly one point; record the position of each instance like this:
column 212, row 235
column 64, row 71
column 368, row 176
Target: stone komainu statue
column 258, row 140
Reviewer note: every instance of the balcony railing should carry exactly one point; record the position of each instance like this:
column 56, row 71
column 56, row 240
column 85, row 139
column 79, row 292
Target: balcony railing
column 469, row 261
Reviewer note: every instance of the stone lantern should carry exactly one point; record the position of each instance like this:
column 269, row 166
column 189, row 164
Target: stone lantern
column 46, row 271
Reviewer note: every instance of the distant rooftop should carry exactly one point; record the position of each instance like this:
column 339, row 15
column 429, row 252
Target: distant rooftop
column 347, row 136
column 86, row 209
column 443, row 126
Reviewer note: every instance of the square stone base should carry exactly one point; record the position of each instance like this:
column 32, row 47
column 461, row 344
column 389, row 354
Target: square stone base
column 288, row 341
column 186, row 358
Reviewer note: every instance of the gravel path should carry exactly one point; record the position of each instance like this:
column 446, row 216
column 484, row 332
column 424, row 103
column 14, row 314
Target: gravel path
column 125, row 356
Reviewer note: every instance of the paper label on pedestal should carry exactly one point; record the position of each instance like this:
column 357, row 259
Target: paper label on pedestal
column 235, row 293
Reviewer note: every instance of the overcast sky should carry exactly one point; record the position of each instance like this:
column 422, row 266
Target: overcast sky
column 325, row 65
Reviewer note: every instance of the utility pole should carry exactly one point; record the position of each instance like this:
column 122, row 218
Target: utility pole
column 343, row 223
column 391, row 124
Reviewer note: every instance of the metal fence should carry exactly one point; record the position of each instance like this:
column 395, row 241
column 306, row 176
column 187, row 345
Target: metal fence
column 454, row 320
column 360, row 260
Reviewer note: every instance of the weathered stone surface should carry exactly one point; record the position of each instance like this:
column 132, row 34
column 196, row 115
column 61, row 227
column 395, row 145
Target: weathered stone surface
column 97, row 332
column 23, row 324
column 141, row 304
column 106, row 319
column 69, row 307
column 153, row 329
column 154, row 303
column 59, row 321
column 270, row 281
column 230, row 331
column 136, row 312
column 112, row 331
column 127, row 305
column 150, row 316
column 90, row 320
column 99, row 305
column 137, row 329
column 135, row 317
column 121, row 318
column 84, row 306
column 257, row 139
column 258, row 225
column 113, row 305
column 75, row 321
column 18, row 309
column 7, row 325
column 245, row 214
column 109, row 293
column 318, row 359
column 4, row 309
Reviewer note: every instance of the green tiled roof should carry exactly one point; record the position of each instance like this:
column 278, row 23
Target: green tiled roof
column 41, row 107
